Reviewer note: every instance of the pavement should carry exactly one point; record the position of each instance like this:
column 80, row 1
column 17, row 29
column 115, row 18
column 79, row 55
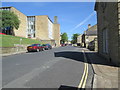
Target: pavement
column 105, row 72
column 13, row 53
column 8, row 54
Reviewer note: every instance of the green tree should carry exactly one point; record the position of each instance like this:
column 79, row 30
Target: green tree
column 74, row 38
column 64, row 38
column 9, row 21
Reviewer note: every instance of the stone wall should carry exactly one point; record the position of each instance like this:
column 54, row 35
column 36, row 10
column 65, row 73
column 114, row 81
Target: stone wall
column 41, row 27
column 42, row 33
column 56, row 34
column 22, row 30
column 10, row 50
column 119, row 33
column 108, row 20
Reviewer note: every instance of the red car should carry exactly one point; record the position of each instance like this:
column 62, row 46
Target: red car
column 62, row 45
column 3, row 33
column 35, row 47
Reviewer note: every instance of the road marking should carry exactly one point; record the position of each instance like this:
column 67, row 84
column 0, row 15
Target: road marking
column 82, row 83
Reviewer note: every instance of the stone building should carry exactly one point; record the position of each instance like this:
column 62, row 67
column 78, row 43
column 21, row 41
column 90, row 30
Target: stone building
column 90, row 34
column 23, row 21
column 37, row 27
column 89, row 37
column 79, row 40
column 43, row 29
column 108, row 20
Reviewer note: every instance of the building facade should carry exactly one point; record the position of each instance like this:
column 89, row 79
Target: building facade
column 79, row 39
column 22, row 30
column 46, row 30
column 91, row 35
column 108, row 19
column 37, row 27
column 88, row 39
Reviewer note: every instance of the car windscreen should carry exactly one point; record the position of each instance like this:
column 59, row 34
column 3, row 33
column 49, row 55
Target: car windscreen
column 47, row 44
column 43, row 45
column 33, row 45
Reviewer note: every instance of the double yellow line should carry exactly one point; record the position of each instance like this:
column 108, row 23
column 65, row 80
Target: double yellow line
column 85, row 74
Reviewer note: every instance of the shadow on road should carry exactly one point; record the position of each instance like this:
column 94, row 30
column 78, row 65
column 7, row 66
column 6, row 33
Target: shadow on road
column 77, row 56
column 92, row 57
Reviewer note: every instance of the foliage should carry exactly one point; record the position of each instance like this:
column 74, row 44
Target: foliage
column 9, row 19
column 74, row 38
column 64, row 38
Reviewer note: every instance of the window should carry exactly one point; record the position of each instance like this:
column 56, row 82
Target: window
column 31, row 25
column 105, row 41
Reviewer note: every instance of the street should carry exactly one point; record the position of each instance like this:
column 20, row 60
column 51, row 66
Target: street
column 55, row 68
column 60, row 45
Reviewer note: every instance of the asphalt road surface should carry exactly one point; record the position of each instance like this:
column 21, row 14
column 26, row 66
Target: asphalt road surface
column 55, row 68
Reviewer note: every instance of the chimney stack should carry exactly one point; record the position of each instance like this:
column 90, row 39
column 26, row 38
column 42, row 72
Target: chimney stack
column 89, row 26
column 55, row 19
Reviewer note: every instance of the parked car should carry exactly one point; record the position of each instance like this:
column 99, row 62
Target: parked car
column 47, row 46
column 75, row 45
column 3, row 33
column 91, row 46
column 35, row 47
column 62, row 45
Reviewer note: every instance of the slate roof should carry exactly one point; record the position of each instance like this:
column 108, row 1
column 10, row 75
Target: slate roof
column 92, row 31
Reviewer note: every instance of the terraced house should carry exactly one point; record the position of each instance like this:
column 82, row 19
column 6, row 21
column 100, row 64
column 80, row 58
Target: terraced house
column 108, row 19
column 37, row 27
column 89, row 38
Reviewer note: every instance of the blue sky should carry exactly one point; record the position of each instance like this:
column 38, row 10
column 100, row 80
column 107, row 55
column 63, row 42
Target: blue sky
column 73, row 17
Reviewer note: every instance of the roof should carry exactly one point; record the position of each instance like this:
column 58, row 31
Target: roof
column 92, row 30
column 42, row 15
column 96, row 5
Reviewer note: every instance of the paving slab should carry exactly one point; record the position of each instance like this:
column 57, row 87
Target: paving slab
column 105, row 73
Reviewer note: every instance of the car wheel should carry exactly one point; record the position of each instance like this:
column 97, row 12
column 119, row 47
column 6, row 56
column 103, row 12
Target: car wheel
column 43, row 49
column 38, row 50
